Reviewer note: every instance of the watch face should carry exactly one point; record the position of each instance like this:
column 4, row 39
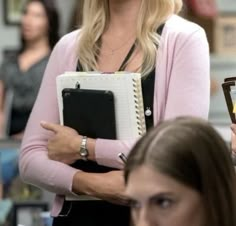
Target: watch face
column 83, row 152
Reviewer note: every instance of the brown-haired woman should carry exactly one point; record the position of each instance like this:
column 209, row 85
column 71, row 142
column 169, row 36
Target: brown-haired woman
column 181, row 174
column 21, row 73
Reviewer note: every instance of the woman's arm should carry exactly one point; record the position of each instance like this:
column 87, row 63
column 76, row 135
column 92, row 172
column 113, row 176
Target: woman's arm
column 2, row 115
column 35, row 166
column 1, row 96
column 64, row 146
column 107, row 186
column 3, row 71
column 233, row 140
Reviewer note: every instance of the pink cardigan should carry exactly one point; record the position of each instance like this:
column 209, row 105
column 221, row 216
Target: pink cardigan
column 182, row 87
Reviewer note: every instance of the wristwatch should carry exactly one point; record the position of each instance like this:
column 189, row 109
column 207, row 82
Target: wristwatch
column 83, row 151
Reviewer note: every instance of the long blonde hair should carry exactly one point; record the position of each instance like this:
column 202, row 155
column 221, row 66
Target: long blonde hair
column 153, row 13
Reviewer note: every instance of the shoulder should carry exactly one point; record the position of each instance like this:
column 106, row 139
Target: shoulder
column 10, row 57
column 65, row 51
column 179, row 28
column 69, row 40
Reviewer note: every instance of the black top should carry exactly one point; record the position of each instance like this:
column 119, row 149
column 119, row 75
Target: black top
column 24, row 85
column 148, row 95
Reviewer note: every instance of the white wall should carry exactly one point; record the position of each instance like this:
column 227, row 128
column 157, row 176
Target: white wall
column 65, row 8
column 9, row 35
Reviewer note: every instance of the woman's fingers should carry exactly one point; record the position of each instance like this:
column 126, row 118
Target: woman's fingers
column 50, row 126
column 233, row 141
column 233, row 128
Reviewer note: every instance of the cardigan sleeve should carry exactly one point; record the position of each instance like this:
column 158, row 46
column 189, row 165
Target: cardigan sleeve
column 34, row 165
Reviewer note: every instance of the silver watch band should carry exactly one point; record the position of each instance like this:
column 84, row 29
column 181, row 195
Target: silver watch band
column 84, row 142
column 83, row 149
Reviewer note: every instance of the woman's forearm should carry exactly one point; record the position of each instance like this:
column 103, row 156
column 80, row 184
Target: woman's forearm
column 106, row 186
column 1, row 96
column 83, row 183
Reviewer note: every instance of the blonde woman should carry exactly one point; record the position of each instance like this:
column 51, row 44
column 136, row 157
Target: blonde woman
column 143, row 36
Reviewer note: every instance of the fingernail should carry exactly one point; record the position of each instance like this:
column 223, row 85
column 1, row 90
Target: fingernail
column 232, row 127
column 43, row 122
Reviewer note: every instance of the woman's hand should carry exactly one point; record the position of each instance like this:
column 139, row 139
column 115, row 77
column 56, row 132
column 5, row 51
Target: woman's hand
column 18, row 136
column 233, row 138
column 65, row 143
column 233, row 143
column 106, row 186
column 112, row 187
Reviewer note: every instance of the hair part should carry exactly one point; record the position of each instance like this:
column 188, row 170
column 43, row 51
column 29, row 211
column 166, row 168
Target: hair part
column 191, row 152
column 153, row 13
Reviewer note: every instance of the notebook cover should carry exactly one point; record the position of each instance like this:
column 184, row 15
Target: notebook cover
column 127, row 90
column 91, row 113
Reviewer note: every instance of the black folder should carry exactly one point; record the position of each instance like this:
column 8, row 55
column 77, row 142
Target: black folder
column 91, row 113
column 227, row 85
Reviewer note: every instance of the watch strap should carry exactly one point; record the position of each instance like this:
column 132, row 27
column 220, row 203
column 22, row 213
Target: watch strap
column 83, row 149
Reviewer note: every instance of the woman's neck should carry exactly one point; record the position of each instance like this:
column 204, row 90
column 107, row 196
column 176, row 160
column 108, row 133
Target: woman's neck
column 40, row 45
column 123, row 15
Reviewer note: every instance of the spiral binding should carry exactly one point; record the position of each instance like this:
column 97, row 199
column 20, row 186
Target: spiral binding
column 138, row 98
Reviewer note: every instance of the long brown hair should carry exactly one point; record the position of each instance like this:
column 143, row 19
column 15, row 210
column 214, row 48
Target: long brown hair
column 190, row 151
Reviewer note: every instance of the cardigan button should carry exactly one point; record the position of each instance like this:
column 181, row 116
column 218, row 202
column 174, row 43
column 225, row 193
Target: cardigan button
column 148, row 112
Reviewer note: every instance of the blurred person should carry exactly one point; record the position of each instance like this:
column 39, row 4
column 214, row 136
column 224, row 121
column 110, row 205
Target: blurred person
column 181, row 174
column 1, row 182
column 21, row 74
column 147, row 37
column 203, row 8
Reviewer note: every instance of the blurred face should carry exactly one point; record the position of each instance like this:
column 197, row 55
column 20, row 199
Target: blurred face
column 34, row 22
column 159, row 200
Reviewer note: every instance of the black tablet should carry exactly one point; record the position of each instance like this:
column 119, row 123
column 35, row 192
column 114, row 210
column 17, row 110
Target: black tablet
column 90, row 112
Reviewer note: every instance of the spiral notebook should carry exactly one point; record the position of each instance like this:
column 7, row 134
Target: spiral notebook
column 127, row 91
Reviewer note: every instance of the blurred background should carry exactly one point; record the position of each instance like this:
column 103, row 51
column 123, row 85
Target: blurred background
column 27, row 205
column 9, row 31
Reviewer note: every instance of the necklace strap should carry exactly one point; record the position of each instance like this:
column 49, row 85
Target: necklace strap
column 131, row 51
